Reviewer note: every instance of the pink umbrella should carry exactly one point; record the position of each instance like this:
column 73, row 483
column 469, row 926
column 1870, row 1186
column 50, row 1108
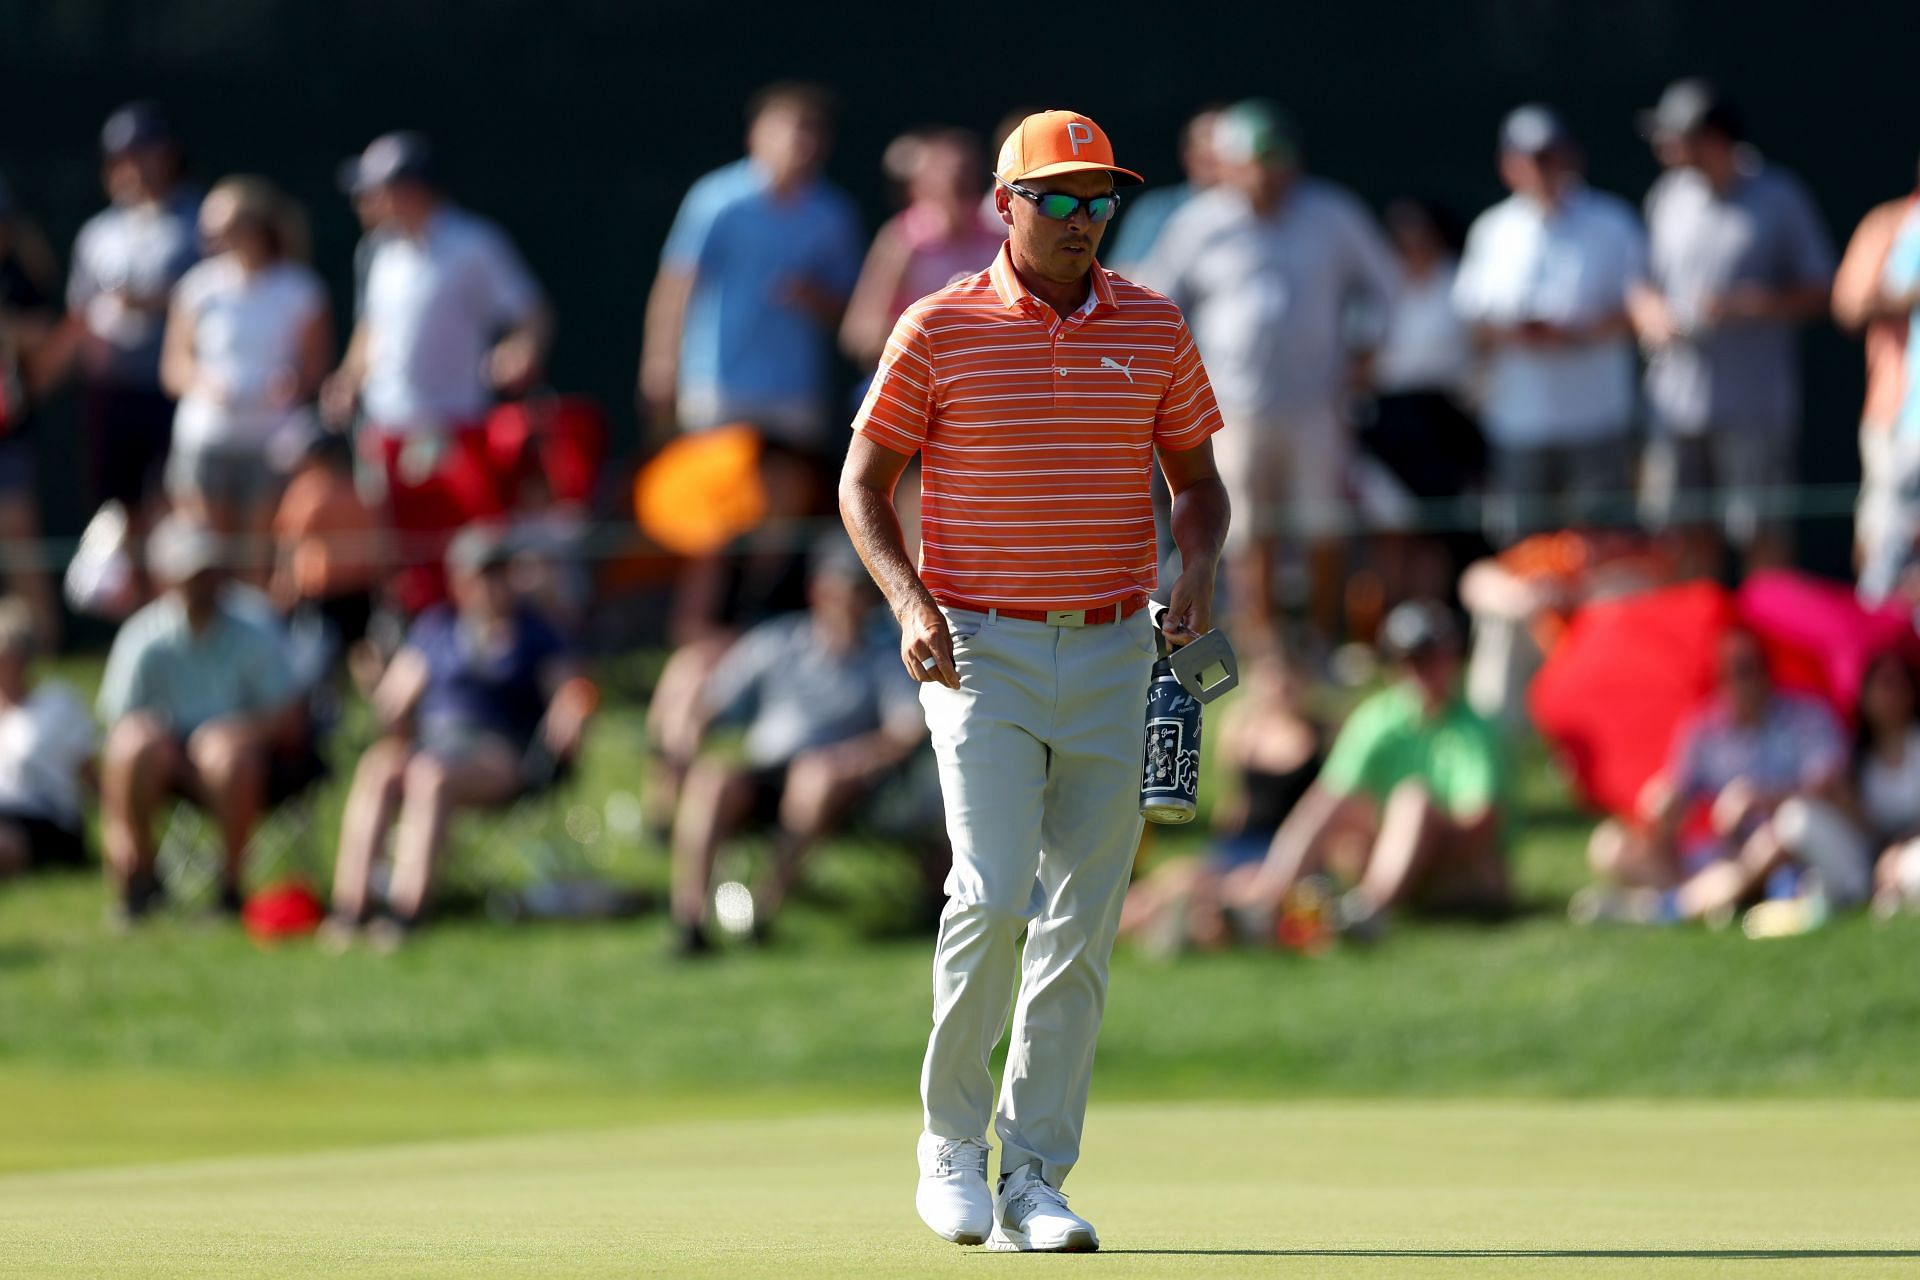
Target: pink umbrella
column 1831, row 635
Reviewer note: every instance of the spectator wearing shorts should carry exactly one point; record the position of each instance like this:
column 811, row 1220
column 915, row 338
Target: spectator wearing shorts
column 828, row 714
column 126, row 261
column 1889, row 465
column 1413, row 784
column 46, row 757
column 198, row 689
column 752, row 282
column 482, row 691
column 1716, row 819
column 249, row 338
column 1267, row 266
column 1738, row 263
column 450, row 317
column 1544, row 284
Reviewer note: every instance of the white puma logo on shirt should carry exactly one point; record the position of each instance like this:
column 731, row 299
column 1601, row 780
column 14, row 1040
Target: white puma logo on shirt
column 1108, row 362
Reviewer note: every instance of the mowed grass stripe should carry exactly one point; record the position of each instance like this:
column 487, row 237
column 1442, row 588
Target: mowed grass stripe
column 1394, row 1189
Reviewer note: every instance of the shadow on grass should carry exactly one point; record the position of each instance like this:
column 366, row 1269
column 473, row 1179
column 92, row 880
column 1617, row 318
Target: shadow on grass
column 18, row 955
column 1731, row 1255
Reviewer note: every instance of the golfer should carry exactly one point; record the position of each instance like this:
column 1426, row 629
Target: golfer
column 1038, row 393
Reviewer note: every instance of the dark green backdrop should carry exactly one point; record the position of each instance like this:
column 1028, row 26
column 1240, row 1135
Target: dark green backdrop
column 578, row 123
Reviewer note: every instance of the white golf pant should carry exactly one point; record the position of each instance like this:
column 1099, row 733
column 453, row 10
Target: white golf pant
column 1040, row 759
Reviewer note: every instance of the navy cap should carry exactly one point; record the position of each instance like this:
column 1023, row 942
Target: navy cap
column 136, row 125
column 389, row 158
column 1534, row 128
column 1689, row 106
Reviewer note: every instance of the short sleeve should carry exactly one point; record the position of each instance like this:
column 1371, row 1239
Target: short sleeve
column 1809, row 250
column 692, row 231
column 82, row 286
column 1470, row 300
column 1473, row 782
column 1187, row 413
column 842, row 251
column 1354, row 759
column 507, row 286
column 733, row 690
column 899, row 403
column 123, row 687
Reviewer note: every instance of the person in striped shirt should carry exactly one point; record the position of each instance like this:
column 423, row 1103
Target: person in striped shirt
column 1038, row 394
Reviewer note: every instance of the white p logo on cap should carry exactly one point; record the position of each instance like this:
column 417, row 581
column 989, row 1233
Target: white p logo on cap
column 1077, row 133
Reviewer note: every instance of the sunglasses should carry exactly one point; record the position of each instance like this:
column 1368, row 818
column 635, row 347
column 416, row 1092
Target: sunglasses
column 1060, row 206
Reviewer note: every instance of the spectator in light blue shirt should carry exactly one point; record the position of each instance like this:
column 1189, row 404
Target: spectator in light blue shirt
column 198, row 687
column 755, row 273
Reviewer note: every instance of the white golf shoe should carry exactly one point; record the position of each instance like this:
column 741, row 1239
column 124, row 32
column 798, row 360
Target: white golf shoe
column 953, row 1198
column 1031, row 1217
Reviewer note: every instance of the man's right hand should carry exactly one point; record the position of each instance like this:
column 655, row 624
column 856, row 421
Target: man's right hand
column 924, row 636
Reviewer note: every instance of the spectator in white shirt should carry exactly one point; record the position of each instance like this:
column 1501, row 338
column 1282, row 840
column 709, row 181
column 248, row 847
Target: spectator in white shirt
column 450, row 317
column 46, row 751
column 1268, row 266
column 249, row 338
column 1545, row 283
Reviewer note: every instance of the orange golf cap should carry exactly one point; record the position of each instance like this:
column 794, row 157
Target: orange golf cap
column 1054, row 142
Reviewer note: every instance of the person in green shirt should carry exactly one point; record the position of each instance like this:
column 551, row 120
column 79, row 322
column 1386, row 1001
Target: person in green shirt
column 1413, row 786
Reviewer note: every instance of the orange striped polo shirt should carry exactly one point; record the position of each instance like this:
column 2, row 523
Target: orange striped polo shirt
column 1037, row 435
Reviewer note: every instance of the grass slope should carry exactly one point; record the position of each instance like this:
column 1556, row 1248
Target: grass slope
column 1400, row 1190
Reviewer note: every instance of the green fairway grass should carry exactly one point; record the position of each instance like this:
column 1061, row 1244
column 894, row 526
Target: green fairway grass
column 1395, row 1190
column 565, row 1099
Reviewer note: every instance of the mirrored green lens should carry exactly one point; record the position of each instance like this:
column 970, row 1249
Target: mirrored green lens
column 1057, row 206
column 1101, row 208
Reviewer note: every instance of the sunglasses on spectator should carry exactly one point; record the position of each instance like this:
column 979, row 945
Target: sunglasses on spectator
column 1060, row 206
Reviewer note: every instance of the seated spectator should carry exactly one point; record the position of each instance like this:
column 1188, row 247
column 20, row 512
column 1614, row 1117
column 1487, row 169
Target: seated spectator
column 1718, row 818
column 1523, row 598
column 330, row 545
column 1274, row 749
column 1819, row 851
column 479, row 706
column 197, row 691
column 828, row 713
column 46, row 753
column 1413, row 782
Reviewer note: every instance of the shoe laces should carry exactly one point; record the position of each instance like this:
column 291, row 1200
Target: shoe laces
column 968, row 1155
column 1037, row 1194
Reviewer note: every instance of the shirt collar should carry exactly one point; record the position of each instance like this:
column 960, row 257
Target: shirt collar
column 1017, row 297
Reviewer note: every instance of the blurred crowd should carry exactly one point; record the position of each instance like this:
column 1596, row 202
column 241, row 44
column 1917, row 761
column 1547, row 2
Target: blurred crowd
column 1451, row 445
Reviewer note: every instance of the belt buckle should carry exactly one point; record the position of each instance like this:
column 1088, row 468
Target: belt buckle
column 1066, row 617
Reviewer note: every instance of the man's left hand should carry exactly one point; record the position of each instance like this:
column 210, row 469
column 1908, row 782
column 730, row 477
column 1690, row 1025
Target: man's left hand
column 1189, row 612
